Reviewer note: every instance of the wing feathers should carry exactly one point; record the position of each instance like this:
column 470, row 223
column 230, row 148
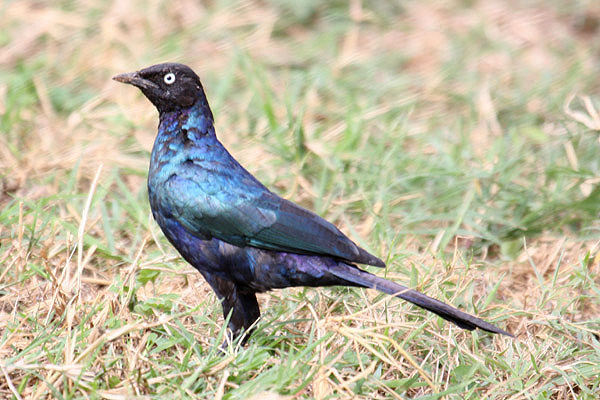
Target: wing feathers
column 260, row 218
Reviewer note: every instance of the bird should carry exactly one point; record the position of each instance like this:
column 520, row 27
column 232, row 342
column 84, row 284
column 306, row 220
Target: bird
column 243, row 238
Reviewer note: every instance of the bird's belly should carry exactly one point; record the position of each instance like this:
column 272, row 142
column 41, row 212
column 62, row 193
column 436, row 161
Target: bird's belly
column 207, row 254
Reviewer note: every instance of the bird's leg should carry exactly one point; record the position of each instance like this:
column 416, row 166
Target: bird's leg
column 244, row 310
column 240, row 303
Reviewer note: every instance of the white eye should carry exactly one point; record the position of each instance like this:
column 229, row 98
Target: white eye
column 169, row 78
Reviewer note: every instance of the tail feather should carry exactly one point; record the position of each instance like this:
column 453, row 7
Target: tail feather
column 362, row 278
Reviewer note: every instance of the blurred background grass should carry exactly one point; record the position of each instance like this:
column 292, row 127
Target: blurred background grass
column 455, row 139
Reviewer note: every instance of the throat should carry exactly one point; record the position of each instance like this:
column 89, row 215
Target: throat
column 186, row 125
column 186, row 134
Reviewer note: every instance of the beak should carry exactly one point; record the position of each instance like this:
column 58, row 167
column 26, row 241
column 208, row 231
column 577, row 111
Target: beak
column 134, row 78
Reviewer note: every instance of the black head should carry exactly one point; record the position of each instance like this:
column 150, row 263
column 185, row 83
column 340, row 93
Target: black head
column 169, row 86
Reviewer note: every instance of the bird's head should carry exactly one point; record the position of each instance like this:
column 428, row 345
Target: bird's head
column 169, row 86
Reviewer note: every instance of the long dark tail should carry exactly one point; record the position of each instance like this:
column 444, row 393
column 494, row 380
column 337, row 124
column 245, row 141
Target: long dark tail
column 364, row 279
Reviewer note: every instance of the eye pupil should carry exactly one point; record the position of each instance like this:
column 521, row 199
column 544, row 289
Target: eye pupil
column 169, row 78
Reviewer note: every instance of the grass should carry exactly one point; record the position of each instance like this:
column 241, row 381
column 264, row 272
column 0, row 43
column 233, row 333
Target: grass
column 442, row 136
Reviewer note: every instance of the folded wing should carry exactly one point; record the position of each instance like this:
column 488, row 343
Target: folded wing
column 257, row 217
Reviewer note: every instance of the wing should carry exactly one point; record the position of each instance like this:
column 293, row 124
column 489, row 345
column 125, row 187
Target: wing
column 241, row 211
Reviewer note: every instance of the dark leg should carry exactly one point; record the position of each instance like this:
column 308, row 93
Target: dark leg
column 242, row 305
column 244, row 312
